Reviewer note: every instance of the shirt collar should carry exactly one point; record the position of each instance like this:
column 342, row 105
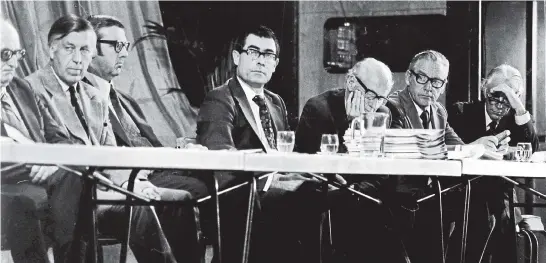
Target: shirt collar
column 488, row 119
column 64, row 86
column 249, row 92
column 419, row 109
column 104, row 85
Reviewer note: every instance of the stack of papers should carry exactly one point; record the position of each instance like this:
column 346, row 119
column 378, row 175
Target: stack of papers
column 415, row 144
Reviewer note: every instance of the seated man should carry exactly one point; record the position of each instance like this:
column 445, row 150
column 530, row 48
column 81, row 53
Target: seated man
column 500, row 111
column 26, row 117
column 426, row 80
column 361, row 237
column 84, row 115
column 132, row 130
column 242, row 114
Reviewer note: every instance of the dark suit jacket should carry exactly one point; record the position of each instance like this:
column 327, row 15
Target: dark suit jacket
column 324, row 114
column 468, row 120
column 225, row 119
column 439, row 119
column 134, row 111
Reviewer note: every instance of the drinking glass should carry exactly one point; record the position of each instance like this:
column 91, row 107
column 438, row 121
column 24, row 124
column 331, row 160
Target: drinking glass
column 329, row 144
column 285, row 141
column 182, row 142
column 374, row 125
column 524, row 151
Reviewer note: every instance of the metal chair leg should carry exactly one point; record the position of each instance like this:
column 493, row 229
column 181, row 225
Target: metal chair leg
column 249, row 218
column 465, row 221
column 129, row 215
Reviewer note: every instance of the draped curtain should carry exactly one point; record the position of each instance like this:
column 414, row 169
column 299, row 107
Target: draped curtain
column 147, row 74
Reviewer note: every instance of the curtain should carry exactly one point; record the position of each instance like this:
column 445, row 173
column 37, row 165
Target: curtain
column 147, row 74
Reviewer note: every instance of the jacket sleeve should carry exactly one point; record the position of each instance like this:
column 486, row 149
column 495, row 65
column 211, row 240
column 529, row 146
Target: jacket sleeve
column 215, row 121
column 53, row 130
column 308, row 132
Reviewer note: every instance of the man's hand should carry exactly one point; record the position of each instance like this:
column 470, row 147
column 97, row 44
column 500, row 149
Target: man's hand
column 354, row 105
column 512, row 97
column 504, row 139
column 147, row 189
column 490, row 142
column 39, row 174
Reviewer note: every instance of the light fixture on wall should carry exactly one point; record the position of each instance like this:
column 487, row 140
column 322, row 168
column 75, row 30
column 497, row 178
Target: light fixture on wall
column 340, row 47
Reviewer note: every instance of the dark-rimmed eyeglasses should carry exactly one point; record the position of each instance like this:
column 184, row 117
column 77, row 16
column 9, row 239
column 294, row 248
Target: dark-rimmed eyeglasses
column 118, row 45
column 423, row 79
column 7, row 54
column 255, row 54
column 499, row 102
column 382, row 100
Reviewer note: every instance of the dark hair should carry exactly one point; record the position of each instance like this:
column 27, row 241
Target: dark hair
column 66, row 25
column 260, row 31
column 100, row 21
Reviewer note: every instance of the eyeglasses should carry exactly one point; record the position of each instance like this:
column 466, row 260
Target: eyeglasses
column 118, row 45
column 255, row 54
column 499, row 102
column 423, row 79
column 382, row 100
column 7, row 54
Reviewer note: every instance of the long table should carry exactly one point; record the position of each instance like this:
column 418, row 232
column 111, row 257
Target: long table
column 170, row 158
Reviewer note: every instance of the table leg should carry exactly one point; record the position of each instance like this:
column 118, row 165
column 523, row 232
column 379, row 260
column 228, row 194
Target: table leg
column 129, row 216
column 465, row 221
column 512, row 229
column 212, row 184
column 249, row 218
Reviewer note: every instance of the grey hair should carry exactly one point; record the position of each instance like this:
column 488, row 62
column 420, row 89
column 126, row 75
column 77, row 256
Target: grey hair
column 503, row 74
column 431, row 55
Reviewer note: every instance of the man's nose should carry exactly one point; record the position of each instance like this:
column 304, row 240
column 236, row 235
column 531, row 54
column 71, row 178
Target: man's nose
column 124, row 52
column 428, row 86
column 13, row 61
column 77, row 57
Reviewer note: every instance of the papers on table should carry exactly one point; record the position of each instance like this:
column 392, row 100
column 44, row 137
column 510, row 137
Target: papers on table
column 415, row 144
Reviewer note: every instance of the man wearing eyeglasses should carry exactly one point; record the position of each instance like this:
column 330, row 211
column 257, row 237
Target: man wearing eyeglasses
column 83, row 111
column 26, row 118
column 367, row 84
column 243, row 114
column 500, row 110
column 132, row 130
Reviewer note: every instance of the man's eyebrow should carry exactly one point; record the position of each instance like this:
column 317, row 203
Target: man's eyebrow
column 257, row 48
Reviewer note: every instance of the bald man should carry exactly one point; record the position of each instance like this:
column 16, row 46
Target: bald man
column 362, row 237
column 367, row 85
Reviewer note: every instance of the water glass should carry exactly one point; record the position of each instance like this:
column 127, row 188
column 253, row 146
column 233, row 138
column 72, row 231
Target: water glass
column 285, row 141
column 329, row 144
column 182, row 142
column 524, row 151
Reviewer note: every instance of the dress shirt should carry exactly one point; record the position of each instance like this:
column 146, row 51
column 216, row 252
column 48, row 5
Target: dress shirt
column 250, row 93
column 420, row 111
column 520, row 120
column 65, row 88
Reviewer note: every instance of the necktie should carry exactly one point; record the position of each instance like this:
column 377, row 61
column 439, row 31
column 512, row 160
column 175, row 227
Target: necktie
column 425, row 119
column 78, row 109
column 491, row 128
column 265, row 118
column 10, row 117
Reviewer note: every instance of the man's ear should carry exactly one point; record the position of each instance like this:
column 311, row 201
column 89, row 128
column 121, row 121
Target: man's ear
column 235, row 55
column 52, row 49
column 276, row 64
column 407, row 77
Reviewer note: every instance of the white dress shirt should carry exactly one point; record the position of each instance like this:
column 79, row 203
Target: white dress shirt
column 520, row 120
column 420, row 111
column 250, row 94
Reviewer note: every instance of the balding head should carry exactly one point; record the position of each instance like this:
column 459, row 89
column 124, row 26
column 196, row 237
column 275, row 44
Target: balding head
column 10, row 46
column 373, row 78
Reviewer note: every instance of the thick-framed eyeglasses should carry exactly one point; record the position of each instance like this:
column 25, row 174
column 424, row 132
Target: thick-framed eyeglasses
column 423, row 79
column 118, row 45
column 367, row 92
column 499, row 102
column 255, row 54
column 7, row 54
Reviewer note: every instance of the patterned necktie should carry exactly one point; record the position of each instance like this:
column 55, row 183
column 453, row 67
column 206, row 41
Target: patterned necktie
column 10, row 117
column 265, row 118
column 425, row 119
column 491, row 128
column 78, row 109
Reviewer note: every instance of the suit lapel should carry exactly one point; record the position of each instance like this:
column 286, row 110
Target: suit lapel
column 90, row 108
column 23, row 101
column 437, row 122
column 63, row 105
column 411, row 111
column 276, row 113
column 242, row 101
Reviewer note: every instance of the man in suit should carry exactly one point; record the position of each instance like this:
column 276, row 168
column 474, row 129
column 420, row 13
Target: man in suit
column 367, row 85
column 84, row 113
column 26, row 118
column 132, row 130
column 242, row 114
column 426, row 80
column 502, row 110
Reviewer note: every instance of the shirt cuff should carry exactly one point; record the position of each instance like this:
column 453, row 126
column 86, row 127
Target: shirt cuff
column 523, row 119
